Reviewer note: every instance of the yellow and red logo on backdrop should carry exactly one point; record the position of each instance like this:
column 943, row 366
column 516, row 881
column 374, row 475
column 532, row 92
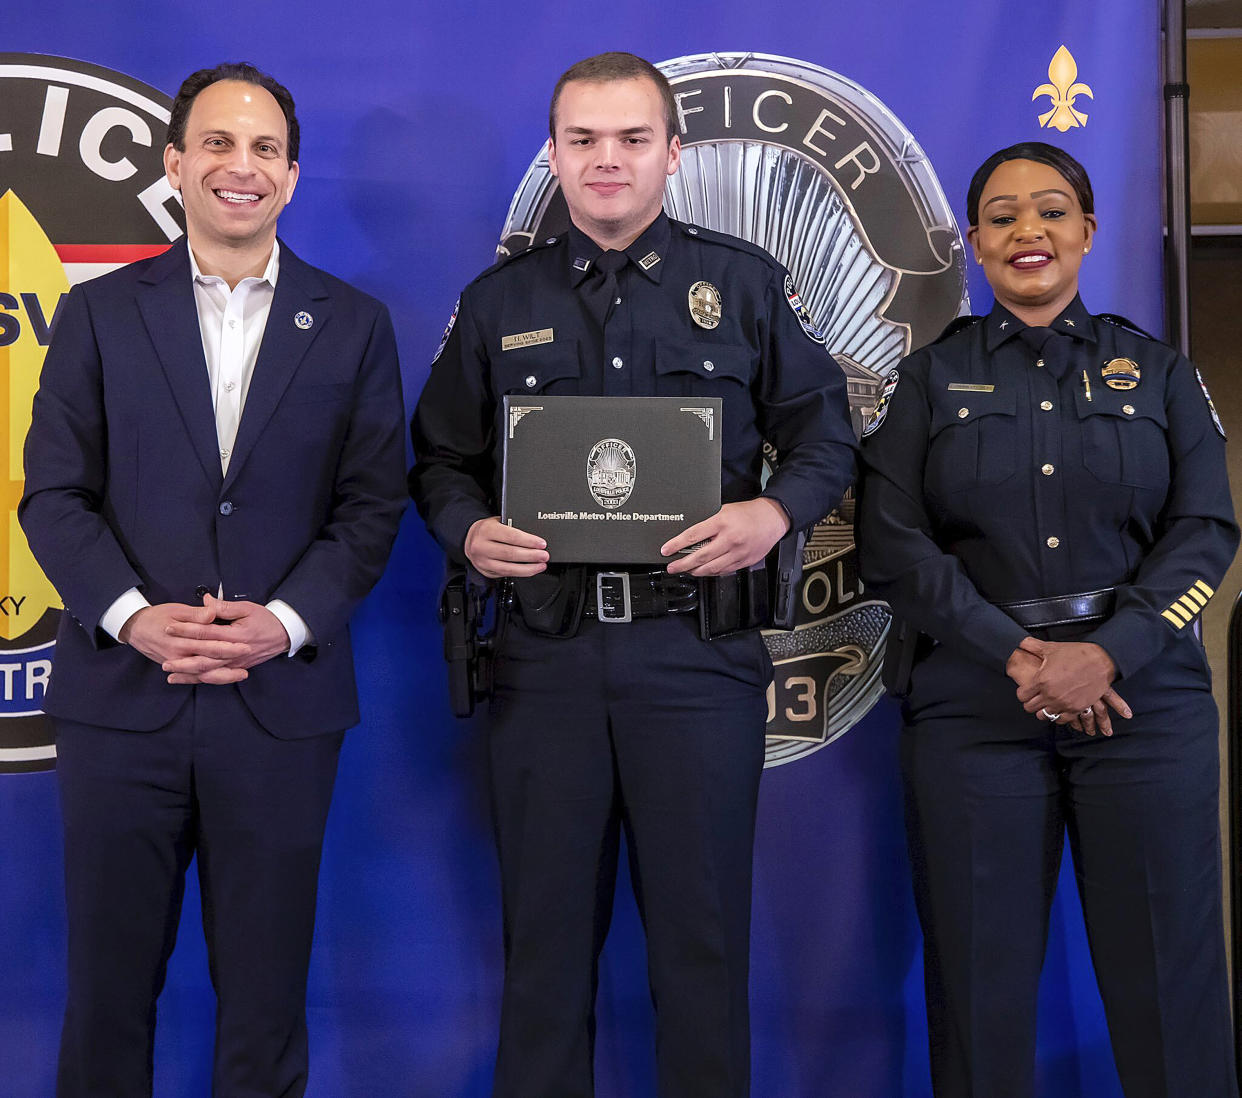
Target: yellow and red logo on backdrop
column 82, row 191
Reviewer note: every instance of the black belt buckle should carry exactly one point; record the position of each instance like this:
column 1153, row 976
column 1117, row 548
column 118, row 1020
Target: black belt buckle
column 612, row 597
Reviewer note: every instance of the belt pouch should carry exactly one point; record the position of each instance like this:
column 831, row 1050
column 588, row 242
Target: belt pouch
column 732, row 603
column 551, row 603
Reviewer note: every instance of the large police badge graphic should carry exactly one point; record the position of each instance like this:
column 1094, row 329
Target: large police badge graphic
column 815, row 169
column 82, row 191
column 611, row 472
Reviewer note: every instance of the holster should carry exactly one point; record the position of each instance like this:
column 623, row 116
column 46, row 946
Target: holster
column 900, row 652
column 784, row 566
column 467, row 648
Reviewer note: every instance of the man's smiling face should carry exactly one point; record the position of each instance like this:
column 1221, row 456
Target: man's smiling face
column 234, row 174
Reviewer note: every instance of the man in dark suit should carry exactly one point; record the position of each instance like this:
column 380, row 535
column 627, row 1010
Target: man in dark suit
column 214, row 476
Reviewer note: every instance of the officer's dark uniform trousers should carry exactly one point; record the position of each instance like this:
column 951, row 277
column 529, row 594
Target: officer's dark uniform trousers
column 1033, row 488
column 640, row 726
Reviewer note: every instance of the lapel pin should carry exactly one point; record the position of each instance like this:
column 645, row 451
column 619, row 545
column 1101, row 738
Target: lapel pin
column 302, row 319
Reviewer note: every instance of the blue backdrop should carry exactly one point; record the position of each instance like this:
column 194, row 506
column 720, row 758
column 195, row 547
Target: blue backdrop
column 418, row 123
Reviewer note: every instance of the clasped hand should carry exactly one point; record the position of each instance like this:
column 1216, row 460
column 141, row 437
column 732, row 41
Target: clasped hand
column 214, row 643
column 1071, row 679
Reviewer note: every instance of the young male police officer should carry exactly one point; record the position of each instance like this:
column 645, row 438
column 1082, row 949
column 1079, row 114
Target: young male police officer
column 214, row 476
column 641, row 724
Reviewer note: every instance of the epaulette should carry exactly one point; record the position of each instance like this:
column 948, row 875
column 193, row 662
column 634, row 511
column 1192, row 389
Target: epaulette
column 957, row 324
column 530, row 249
column 697, row 232
column 1129, row 325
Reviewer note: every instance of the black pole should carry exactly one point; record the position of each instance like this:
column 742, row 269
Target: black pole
column 1234, row 764
column 1176, row 177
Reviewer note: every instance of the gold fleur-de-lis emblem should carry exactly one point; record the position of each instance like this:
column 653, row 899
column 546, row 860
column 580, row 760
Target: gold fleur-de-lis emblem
column 1063, row 72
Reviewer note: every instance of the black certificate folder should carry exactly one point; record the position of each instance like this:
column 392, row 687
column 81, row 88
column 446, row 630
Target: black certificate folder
column 608, row 480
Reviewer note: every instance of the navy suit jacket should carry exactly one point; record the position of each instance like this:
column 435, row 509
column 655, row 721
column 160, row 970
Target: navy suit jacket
column 124, row 489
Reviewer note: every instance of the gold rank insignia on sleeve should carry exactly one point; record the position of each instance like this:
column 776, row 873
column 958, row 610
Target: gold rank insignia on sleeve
column 1121, row 373
column 1182, row 612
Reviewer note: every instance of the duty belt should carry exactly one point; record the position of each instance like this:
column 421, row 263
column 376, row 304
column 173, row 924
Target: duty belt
column 624, row 596
column 1080, row 609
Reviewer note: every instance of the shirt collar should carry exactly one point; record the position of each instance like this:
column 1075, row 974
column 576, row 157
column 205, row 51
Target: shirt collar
column 1074, row 320
column 269, row 275
column 647, row 253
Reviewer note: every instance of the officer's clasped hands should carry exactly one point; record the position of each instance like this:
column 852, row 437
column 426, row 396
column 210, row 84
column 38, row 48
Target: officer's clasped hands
column 1067, row 682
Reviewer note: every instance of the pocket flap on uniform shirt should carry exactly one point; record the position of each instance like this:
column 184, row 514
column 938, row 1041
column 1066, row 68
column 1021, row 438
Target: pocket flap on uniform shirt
column 956, row 408
column 1128, row 404
column 705, row 360
column 533, row 369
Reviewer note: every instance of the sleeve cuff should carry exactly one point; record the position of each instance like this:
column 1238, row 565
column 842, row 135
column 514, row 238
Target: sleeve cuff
column 124, row 608
column 1130, row 642
column 299, row 632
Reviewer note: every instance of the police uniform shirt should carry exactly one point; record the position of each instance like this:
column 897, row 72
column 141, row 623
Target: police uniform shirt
column 526, row 326
column 1001, row 473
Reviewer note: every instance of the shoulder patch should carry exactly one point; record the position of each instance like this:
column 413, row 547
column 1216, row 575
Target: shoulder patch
column 881, row 405
column 801, row 312
column 957, row 324
column 448, row 331
column 1220, row 427
column 1121, row 322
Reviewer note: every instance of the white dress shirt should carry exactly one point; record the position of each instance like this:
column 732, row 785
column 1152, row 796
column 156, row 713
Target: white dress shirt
column 231, row 323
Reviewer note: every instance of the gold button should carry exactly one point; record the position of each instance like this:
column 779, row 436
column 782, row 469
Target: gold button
column 1128, row 409
column 962, row 413
column 1047, row 470
column 1040, row 363
column 1046, row 405
column 1053, row 542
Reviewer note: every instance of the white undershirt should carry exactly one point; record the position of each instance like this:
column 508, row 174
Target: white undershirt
column 231, row 323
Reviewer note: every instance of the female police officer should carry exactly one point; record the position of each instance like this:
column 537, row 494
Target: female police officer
column 1045, row 505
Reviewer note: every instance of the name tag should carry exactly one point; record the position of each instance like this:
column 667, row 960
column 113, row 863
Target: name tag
column 526, row 339
column 962, row 387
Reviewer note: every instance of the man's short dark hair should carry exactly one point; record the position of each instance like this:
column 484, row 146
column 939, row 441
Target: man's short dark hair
column 1042, row 153
column 231, row 70
column 604, row 68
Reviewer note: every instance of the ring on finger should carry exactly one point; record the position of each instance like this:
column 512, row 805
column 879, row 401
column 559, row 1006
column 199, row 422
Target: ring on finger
column 1088, row 711
column 1050, row 716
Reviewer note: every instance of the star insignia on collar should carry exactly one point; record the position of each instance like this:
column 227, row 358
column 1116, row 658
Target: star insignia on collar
column 1004, row 324
column 1069, row 323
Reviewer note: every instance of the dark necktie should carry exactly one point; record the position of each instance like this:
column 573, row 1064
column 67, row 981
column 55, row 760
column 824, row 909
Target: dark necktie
column 1050, row 346
column 599, row 291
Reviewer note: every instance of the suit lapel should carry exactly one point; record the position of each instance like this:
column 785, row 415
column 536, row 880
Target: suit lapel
column 300, row 310
column 166, row 301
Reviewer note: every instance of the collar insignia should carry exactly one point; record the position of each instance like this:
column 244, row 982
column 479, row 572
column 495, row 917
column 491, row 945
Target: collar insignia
column 648, row 261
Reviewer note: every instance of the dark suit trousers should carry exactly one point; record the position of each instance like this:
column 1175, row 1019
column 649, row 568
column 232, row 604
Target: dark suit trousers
column 991, row 795
column 137, row 806
column 645, row 727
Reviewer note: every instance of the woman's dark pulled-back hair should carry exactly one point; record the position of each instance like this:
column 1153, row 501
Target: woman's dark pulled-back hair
column 230, row 70
column 1042, row 153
